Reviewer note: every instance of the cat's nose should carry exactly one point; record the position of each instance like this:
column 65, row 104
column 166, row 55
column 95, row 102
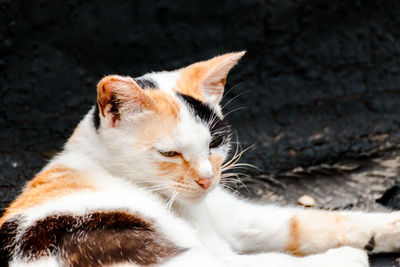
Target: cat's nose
column 204, row 182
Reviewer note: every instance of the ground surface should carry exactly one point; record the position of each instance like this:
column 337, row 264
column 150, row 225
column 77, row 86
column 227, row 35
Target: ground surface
column 321, row 85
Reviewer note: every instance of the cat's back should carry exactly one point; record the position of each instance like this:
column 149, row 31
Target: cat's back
column 78, row 217
column 54, row 182
column 130, row 183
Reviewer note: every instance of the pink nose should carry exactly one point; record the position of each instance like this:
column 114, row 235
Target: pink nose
column 204, row 182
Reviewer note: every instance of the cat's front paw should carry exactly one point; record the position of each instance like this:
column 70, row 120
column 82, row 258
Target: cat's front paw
column 385, row 233
column 350, row 256
column 343, row 257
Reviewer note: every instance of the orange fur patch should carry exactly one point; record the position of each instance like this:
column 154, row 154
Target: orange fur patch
column 190, row 80
column 216, row 164
column 168, row 167
column 339, row 221
column 294, row 234
column 179, row 170
column 75, row 136
column 315, row 231
column 50, row 184
column 192, row 77
column 124, row 89
column 165, row 104
column 162, row 123
column 153, row 129
column 185, row 169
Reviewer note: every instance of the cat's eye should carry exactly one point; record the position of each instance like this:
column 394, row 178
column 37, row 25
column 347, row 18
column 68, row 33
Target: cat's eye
column 216, row 142
column 169, row 153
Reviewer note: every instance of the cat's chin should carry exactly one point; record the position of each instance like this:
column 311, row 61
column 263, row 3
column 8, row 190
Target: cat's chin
column 192, row 199
column 184, row 197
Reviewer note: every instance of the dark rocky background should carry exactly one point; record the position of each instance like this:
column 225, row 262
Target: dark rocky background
column 319, row 86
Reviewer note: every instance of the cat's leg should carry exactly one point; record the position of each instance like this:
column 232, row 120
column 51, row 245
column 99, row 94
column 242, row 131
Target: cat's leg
column 343, row 257
column 249, row 227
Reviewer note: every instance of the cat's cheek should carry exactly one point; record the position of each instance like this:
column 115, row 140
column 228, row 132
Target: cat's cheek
column 168, row 168
column 222, row 151
column 216, row 161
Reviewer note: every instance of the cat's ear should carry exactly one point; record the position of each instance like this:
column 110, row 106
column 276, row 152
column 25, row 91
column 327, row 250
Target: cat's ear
column 117, row 95
column 206, row 79
column 213, row 83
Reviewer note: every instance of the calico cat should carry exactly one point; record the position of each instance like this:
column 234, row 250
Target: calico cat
column 137, row 184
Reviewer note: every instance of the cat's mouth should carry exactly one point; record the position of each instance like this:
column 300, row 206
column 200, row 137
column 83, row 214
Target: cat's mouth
column 196, row 192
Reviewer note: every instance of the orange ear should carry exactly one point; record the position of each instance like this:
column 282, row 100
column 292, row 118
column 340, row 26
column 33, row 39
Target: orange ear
column 117, row 94
column 205, row 80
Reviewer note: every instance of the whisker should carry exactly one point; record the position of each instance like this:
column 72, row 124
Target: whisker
column 171, row 200
column 157, row 187
column 233, row 87
column 241, row 166
column 150, row 181
column 235, row 191
column 233, row 98
column 236, row 151
column 234, row 178
column 236, row 157
column 234, row 174
column 234, row 110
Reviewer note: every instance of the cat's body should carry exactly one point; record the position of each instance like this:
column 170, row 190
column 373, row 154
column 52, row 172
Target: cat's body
column 137, row 185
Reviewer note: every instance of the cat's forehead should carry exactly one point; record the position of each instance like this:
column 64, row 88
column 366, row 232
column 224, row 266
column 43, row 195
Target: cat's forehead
column 165, row 81
column 192, row 122
column 195, row 122
column 166, row 90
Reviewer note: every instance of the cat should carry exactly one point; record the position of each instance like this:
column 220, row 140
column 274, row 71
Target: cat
column 137, row 184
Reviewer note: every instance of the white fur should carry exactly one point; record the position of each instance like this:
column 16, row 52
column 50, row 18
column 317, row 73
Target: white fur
column 214, row 225
column 165, row 79
column 213, row 229
column 42, row 262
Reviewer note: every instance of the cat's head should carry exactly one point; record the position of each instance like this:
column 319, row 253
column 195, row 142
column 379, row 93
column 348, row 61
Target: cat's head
column 166, row 130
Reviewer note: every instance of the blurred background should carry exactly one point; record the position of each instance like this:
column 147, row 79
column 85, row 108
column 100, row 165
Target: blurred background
column 317, row 93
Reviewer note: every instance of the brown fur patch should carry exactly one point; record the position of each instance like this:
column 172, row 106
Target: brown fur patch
column 8, row 233
column 293, row 245
column 97, row 239
column 52, row 183
column 371, row 244
column 105, row 91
